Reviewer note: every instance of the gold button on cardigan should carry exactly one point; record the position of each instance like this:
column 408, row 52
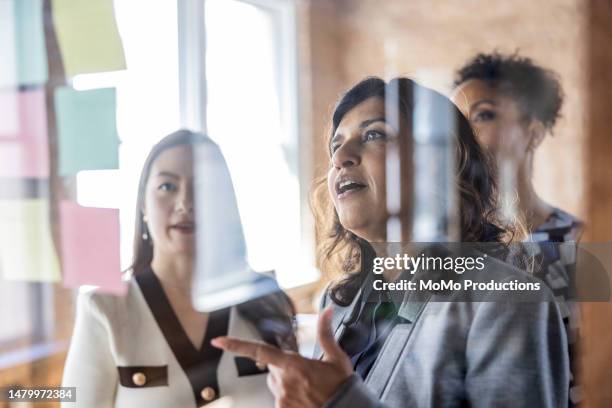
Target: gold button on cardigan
column 139, row 379
column 208, row 394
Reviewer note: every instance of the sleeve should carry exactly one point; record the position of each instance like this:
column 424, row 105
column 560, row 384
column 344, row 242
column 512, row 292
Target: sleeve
column 516, row 356
column 353, row 393
column 89, row 365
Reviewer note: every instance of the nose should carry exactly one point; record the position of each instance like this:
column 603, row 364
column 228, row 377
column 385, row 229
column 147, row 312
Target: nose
column 184, row 201
column 347, row 155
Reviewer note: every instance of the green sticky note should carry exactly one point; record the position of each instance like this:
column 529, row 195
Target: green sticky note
column 26, row 248
column 88, row 36
column 30, row 37
column 87, row 131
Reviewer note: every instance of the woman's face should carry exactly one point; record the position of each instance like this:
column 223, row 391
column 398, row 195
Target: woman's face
column 168, row 204
column 356, row 180
column 496, row 118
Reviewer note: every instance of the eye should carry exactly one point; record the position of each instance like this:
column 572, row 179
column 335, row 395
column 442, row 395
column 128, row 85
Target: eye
column 167, row 186
column 374, row 135
column 485, row 116
column 334, row 147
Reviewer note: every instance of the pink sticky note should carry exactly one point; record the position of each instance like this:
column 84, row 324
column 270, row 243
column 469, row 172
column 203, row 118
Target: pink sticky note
column 90, row 247
column 24, row 143
column 9, row 106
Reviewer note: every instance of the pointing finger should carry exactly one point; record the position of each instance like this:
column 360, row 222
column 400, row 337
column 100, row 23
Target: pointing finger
column 259, row 352
column 328, row 343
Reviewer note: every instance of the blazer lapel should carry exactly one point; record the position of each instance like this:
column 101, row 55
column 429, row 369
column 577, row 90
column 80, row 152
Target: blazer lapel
column 390, row 355
column 341, row 315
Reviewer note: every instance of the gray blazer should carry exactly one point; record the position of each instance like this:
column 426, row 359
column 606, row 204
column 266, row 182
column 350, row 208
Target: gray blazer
column 451, row 354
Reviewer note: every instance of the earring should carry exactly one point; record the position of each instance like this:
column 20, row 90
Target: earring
column 145, row 235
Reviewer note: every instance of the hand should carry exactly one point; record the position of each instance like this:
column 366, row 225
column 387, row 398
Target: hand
column 295, row 381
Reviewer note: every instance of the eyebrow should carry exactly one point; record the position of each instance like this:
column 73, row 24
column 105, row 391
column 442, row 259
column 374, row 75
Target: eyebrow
column 368, row 122
column 167, row 174
column 362, row 125
column 477, row 104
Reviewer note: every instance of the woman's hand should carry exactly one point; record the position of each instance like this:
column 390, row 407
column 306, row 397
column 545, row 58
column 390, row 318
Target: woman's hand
column 296, row 381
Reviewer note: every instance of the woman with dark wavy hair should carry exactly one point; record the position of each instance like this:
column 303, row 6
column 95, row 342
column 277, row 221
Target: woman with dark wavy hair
column 477, row 198
column 437, row 350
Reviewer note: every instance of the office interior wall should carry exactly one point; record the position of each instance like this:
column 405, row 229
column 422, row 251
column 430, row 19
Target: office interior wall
column 351, row 39
column 596, row 317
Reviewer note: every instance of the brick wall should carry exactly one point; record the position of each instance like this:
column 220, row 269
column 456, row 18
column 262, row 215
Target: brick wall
column 429, row 39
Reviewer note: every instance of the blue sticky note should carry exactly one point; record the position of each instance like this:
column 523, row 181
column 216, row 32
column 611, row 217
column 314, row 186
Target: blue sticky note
column 30, row 42
column 87, row 131
column 8, row 44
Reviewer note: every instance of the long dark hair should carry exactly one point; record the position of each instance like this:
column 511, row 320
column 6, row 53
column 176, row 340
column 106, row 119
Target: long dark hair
column 273, row 315
column 143, row 248
column 338, row 246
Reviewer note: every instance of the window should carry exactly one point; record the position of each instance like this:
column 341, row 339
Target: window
column 252, row 114
column 252, row 98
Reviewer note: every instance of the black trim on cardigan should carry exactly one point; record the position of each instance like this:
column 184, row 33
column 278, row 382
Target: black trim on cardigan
column 246, row 366
column 201, row 365
column 155, row 376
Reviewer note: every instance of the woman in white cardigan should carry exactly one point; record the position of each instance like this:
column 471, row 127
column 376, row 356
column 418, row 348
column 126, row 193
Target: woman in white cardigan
column 151, row 347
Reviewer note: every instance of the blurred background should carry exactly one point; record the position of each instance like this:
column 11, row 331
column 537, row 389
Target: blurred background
column 261, row 78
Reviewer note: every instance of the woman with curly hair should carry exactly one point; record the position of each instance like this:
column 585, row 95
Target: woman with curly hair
column 512, row 104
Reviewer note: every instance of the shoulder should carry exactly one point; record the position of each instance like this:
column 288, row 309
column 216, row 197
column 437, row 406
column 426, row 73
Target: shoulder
column 515, row 307
column 560, row 226
column 501, row 271
column 105, row 305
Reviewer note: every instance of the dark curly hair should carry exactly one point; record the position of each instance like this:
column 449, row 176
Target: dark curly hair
column 537, row 90
column 338, row 247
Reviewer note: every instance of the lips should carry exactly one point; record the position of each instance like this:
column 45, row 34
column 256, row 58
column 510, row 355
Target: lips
column 185, row 227
column 347, row 185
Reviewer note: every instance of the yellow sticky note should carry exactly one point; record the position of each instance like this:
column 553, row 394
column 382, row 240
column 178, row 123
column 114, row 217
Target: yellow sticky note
column 88, row 36
column 26, row 248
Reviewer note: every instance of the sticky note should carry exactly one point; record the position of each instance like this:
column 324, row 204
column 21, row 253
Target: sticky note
column 9, row 106
column 8, row 45
column 24, row 146
column 22, row 43
column 88, row 36
column 27, row 252
column 87, row 132
column 90, row 247
column 32, row 66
